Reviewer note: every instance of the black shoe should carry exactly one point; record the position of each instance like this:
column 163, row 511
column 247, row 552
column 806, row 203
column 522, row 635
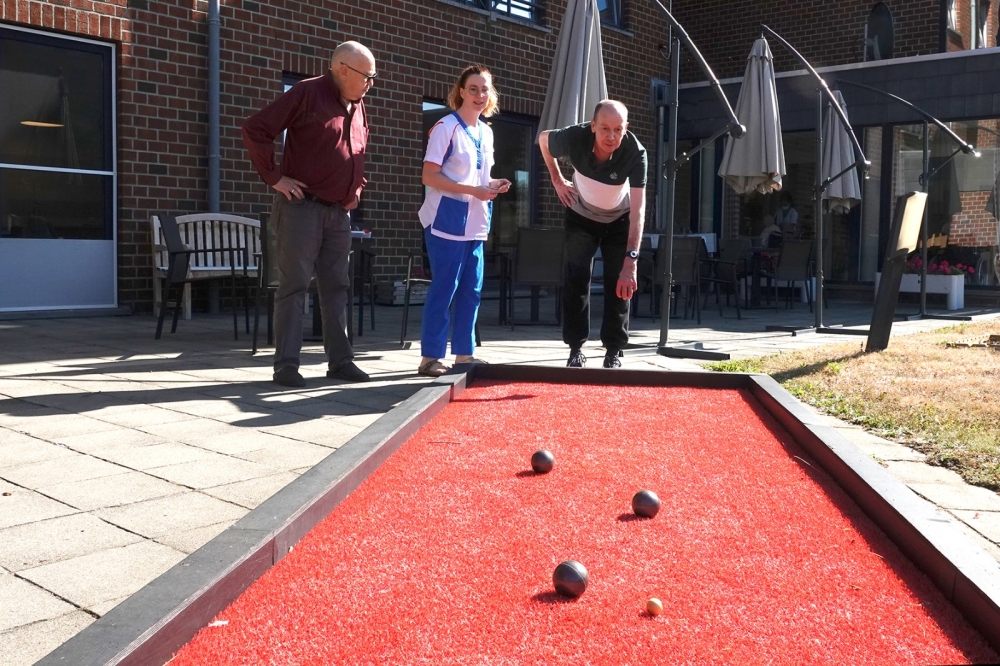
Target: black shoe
column 613, row 359
column 347, row 372
column 289, row 376
column 576, row 359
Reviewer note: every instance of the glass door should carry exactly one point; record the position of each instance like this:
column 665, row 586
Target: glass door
column 57, row 172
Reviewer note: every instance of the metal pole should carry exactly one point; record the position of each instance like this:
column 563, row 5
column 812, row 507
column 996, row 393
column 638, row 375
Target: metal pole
column 669, row 192
column 213, row 106
column 818, row 196
column 925, row 186
column 661, row 116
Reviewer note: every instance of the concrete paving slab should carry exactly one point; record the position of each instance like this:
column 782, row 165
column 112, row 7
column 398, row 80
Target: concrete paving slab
column 912, row 473
column 215, row 471
column 104, row 607
column 140, row 416
column 253, row 492
column 188, row 541
column 958, row 496
column 24, row 603
column 65, row 469
column 324, row 431
column 56, row 539
column 193, row 431
column 167, row 515
column 880, row 448
column 145, row 458
column 29, row 643
column 111, row 491
column 288, row 455
column 242, row 441
column 20, row 505
column 120, row 438
column 965, row 523
column 111, row 573
column 49, row 425
column 19, row 449
column 986, row 523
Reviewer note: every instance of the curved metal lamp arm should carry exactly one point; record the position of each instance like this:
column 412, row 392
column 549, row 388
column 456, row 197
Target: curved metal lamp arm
column 862, row 161
column 735, row 129
column 966, row 148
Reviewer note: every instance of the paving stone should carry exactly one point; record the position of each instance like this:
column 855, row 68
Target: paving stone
column 66, row 469
column 144, row 458
column 219, row 470
column 19, row 449
column 104, row 607
column 240, row 442
column 288, row 455
column 111, row 491
column 24, row 603
column 34, row 544
column 99, row 443
column 986, row 523
column 27, row 644
column 325, row 432
column 27, row 506
column 140, row 416
column 958, row 496
column 178, row 513
column 49, row 425
column 194, row 431
column 188, row 541
column 918, row 473
column 253, row 492
column 111, row 573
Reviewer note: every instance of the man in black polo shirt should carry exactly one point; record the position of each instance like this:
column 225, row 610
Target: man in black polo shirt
column 605, row 208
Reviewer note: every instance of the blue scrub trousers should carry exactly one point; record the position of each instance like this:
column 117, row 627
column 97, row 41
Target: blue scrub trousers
column 456, row 281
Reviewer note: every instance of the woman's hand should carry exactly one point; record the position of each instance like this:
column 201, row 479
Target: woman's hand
column 501, row 185
column 484, row 193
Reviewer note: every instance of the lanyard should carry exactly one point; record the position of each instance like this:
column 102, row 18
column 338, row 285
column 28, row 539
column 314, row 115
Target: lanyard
column 477, row 142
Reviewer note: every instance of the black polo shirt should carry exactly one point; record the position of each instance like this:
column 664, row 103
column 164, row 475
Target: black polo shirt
column 603, row 186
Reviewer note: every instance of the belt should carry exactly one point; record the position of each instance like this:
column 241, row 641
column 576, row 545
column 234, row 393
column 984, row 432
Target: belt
column 313, row 197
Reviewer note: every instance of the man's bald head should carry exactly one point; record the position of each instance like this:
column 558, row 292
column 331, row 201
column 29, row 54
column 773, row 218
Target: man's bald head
column 611, row 106
column 353, row 68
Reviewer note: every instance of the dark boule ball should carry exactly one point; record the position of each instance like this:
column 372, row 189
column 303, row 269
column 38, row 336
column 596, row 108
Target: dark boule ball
column 646, row 504
column 570, row 578
column 542, row 461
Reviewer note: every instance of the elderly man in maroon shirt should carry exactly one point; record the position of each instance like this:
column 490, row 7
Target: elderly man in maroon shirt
column 320, row 179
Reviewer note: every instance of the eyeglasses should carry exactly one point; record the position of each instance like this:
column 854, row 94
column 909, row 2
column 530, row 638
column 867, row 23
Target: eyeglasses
column 368, row 77
column 476, row 92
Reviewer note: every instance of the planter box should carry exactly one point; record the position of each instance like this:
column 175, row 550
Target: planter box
column 952, row 285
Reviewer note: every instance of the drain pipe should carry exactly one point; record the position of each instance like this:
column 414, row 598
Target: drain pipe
column 213, row 106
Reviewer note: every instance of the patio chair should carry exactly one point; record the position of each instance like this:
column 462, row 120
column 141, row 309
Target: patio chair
column 686, row 268
column 178, row 274
column 794, row 265
column 413, row 279
column 538, row 262
column 726, row 271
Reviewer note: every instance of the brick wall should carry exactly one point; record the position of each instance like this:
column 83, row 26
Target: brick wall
column 420, row 46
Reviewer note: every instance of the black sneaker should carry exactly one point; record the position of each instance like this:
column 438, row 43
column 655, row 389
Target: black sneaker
column 576, row 359
column 348, row 372
column 289, row 376
column 613, row 359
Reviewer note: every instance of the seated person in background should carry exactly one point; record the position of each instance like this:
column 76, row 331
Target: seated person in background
column 771, row 236
column 786, row 217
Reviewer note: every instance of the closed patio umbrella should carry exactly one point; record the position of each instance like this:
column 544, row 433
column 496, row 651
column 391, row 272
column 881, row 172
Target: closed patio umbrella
column 756, row 162
column 577, row 83
column 838, row 154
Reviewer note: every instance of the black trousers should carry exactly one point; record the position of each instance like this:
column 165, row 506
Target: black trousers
column 583, row 238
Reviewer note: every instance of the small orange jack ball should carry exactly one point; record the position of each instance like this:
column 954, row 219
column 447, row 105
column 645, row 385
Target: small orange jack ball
column 654, row 606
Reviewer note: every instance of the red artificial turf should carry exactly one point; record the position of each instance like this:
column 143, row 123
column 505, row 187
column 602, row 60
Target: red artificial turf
column 445, row 554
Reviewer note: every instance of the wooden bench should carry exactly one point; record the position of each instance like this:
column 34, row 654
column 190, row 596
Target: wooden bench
column 205, row 231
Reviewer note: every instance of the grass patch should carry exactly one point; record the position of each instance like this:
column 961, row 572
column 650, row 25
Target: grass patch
column 940, row 400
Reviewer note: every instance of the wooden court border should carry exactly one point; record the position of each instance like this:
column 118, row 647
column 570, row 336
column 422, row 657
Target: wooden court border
column 149, row 627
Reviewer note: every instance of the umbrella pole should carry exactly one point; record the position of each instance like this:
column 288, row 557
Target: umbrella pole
column 669, row 192
column 818, row 197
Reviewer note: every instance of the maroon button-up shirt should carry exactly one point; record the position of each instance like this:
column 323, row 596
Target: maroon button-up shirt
column 324, row 145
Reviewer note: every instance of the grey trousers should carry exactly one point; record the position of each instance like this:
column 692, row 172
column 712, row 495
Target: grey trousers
column 311, row 239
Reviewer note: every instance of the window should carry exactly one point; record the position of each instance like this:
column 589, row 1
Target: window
column 611, row 12
column 532, row 10
column 982, row 23
column 952, row 8
column 57, row 172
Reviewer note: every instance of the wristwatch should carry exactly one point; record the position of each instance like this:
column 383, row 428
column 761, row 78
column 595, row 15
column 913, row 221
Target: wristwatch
column 633, row 253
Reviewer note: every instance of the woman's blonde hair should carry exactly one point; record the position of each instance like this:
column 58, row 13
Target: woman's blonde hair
column 455, row 96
